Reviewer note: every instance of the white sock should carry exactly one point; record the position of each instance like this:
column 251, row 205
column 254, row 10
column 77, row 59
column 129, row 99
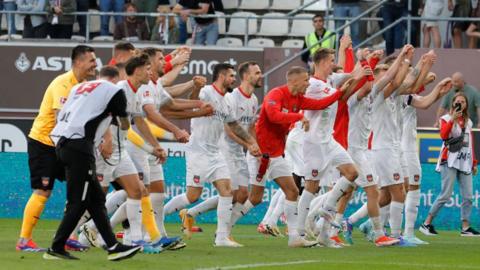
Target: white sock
column 114, row 200
column 134, row 215
column 236, row 214
column 338, row 220
column 385, row 214
column 411, row 210
column 240, row 212
column 224, row 214
column 303, row 208
column 177, row 203
column 278, row 211
column 318, row 201
column 377, row 226
column 272, row 205
column 203, row 207
column 158, row 205
column 292, row 215
column 359, row 214
column 396, row 218
column 119, row 216
column 338, row 191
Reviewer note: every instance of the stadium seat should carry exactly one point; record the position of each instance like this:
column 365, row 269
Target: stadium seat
column 94, row 21
column 274, row 27
column 237, row 25
column 4, row 22
column 261, row 42
column 18, row 24
column 293, row 43
column 255, row 4
column 230, row 4
column 78, row 38
column 12, row 36
column 285, row 4
column 103, row 38
column 320, row 5
column 189, row 42
column 301, row 27
column 229, row 42
column 222, row 28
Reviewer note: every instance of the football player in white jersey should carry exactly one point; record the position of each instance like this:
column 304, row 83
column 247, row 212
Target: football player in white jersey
column 204, row 160
column 320, row 149
column 120, row 168
column 413, row 171
column 244, row 105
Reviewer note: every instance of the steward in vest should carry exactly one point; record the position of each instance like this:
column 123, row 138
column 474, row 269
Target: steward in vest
column 313, row 37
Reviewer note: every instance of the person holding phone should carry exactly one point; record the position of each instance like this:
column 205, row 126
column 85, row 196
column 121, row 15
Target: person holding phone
column 456, row 161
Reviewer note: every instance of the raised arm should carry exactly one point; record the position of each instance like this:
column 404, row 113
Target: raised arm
column 441, row 89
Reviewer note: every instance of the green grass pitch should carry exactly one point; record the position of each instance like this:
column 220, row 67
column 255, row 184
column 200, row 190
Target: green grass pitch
column 446, row 251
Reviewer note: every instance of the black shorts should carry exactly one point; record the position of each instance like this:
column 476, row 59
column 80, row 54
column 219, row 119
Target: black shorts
column 462, row 10
column 44, row 165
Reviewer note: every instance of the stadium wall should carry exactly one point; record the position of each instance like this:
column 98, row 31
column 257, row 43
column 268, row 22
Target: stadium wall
column 15, row 191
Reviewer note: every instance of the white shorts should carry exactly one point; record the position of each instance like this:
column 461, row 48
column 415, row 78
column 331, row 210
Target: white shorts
column 205, row 168
column 366, row 177
column 386, row 164
column 277, row 167
column 294, row 156
column 156, row 169
column 122, row 165
column 403, row 166
column 139, row 158
column 238, row 167
column 330, row 178
column 414, row 168
column 432, row 9
column 319, row 158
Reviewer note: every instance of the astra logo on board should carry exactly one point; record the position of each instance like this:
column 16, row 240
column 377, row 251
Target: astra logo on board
column 53, row 63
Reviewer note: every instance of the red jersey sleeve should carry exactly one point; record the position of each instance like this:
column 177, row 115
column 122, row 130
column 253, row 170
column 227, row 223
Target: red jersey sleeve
column 475, row 162
column 445, row 128
column 273, row 109
column 319, row 104
column 168, row 66
column 349, row 60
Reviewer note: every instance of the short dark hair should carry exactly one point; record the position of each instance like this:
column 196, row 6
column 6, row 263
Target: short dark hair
column 80, row 50
column 127, row 5
column 151, row 51
column 296, row 70
column 317, row 16
column 136, row 62
column 220, row 68
column 243, row 67
column 109, row 72
column 322, row 54
column 123, row 46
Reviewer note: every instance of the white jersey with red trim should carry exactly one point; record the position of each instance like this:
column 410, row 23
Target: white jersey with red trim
column 321, row 121
column 208, row 130
column 153, row 93
column 359, row 124
column 385, row 124
column 409, row 126
column 244, row 109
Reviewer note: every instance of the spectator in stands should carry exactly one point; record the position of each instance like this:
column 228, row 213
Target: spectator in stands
column 348, row 8
column 432, row 9
column 313, row 38
column 9, row 5
column 160, row 28
column 82, row 6
column 61, row 25
column 461, row 8
column 392, row 11
column 149, row 6
column 34, row 26
column 110, row 5
column 473, row 98
column 473, row 30
column 205, row 30
column 132, row 28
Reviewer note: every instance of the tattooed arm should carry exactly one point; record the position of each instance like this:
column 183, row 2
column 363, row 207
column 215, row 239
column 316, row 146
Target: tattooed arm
column 243, row 135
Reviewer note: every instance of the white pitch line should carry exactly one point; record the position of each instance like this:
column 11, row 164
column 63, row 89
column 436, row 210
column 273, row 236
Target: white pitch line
column 254, row 265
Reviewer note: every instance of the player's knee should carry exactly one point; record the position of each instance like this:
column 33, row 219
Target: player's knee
column 242, row 195
column 291, row 194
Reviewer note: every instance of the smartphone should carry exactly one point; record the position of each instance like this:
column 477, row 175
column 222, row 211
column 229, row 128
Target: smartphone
column 458, row 107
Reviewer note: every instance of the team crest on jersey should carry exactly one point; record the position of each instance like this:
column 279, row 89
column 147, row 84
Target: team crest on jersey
column 314, row 173
column 45, row 181
column 396, row 176
column 63, row 100
column 326, row 90
column 259, row 178
column 146, row 94
column 99, row 177
column 196, row 179
column 416, row 177
column 370, row 178
column 140, row 175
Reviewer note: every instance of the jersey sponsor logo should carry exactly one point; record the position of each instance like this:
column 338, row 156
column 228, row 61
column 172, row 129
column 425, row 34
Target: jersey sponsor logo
column 272, row 102
column 63, row 100
column 99, row 177
column 284, row 110
column 45, row 181
column 314, row 173
column 196, row 179
column 416, row 177
column 396, row 176
column 22, row 63
column 370, row 178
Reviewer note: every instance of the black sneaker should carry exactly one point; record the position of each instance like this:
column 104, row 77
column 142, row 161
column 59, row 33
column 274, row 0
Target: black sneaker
column 470, row 232
column 58, row 255
column 428, row 229
column 121, row 252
